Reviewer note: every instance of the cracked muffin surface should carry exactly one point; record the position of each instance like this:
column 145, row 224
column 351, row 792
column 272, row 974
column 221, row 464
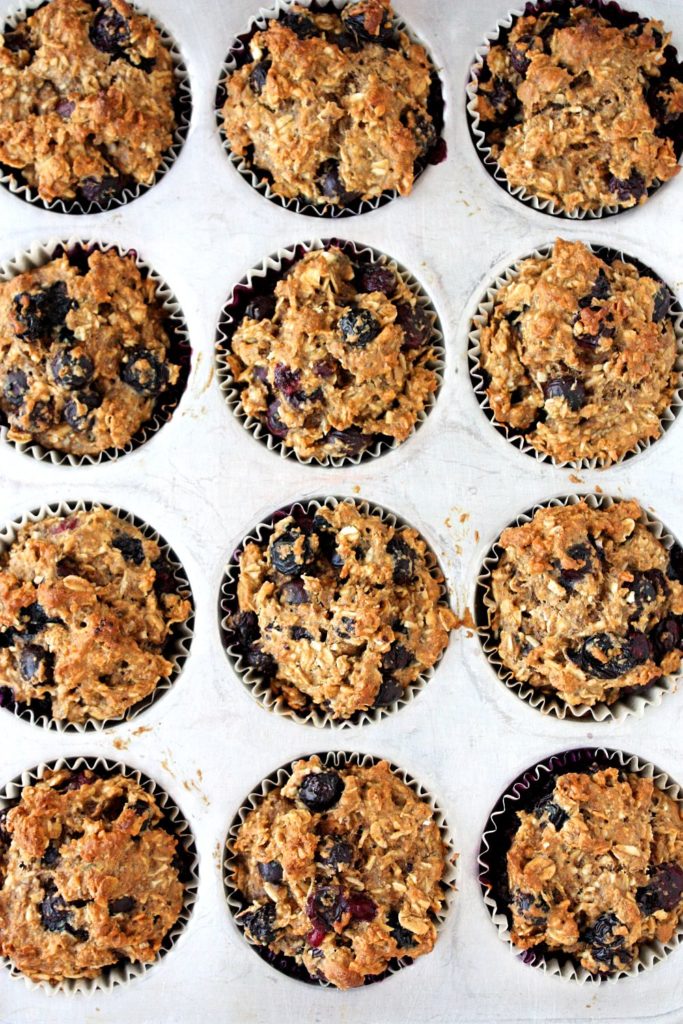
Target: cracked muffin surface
column 339, row 610
column 579, row 354
column 84, row 352
column 333, row 107
column 337, row 358
column 587, row 603
column 341, row 869
column 596, row 869
column 88, row 876
column 81, row 82
column 581, row 111
column 87, row 610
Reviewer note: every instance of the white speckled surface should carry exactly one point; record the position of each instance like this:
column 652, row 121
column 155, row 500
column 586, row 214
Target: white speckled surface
column 202, row 481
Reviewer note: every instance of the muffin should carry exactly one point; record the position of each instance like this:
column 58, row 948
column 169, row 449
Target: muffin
column 341, row 356
column 579, row 354
column 339, row 610
column 333, row 106
column 587, row 603
column 88, row 606
column 82, row 79
column 88, row 876
column 595, row 869
column 324, row 881
column 85, row 354
column 582, row 106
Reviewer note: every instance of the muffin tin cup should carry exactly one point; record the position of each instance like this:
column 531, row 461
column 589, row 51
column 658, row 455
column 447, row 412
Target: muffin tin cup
column 175, row 822
column 178, row 645
column 264, row 277
column 11, row 178
column 630, row 705
column 256, row 684
column 615, row 14
column 478, row 375
column 179, row 349
column 497, row 837
column 239, row 55
column 335, row 759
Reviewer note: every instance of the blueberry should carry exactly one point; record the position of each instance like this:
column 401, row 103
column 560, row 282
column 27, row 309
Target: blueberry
column 331, row 184
column 632, row 187
column 606, row 946
column 31, row 660
column 403, row 557
column 319, row 791
column 601, row 287
column 258, row 76
column 77, row 410
column 555, row 814
column 396, row 658
column 34, row 619
column 360, row 906
column 325, row 906
column 578, row 553
column 7, row 637
column 54, row 915
column 340, row 852
column 288, row 383
column 347, row 442
column 109, row 31
column 663, row 891
column 369, row 32
column 675, row 570
column 71, row 371
column 130, row 547
column 415, row 324
column 299, row 633
column 102, row 190
column 246, row 628
column 15, row 388
column 261, row 924
column 40, row 312
column 569, row 388
column 518, row 57
column 390, row 691
column 603, row 656
column 65, row 108
column 375, row 278
column 283, row 556
column 647, row 585
column 300, row 25
column 358, row 327
column 122, row 905
column 403, row 938
column 425, row 133
column 533, row 907
column 143, row 372
column 261, row 662
column 51, row 856
column 271, row 872
column 273, row 422
column 662, row 304
column 325, row 368
column 503, row 97
column 260, row 307
column 665, row 637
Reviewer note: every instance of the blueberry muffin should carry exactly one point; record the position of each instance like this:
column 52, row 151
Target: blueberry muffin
column 88, row 876
column 581, row 111
column 88, row 606
column 88, row 89
column 579, row 355
column 339, row 611
column 596, row 869
column 333, row 106
column 587, row 603
column 84, row 353
column 324, row 880
column 338, row 358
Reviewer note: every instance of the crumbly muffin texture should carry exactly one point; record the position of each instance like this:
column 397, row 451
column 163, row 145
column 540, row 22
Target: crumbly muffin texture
column 588, row 603
column 87, row 89
column 332, row 107
column 337, row 358
column 84, row 353
column 88, row 876
column 341, row 870
column 579, row 355
column 87, row 607
column 339, row 611
column 581, row 112
column 596, row 869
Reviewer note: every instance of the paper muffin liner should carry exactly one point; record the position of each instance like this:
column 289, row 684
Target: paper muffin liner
column 12, row 178
column 179, row 348
column 480, row 378
column 262, row 279
column 630, row 704
column 177, row 647
column 522, row 794
column 618, row 17
column 173, row 822
column 336, row 759
column 258, row 685
column 239, row 55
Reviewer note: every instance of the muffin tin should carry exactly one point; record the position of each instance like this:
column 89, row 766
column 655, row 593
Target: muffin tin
column 203, row 483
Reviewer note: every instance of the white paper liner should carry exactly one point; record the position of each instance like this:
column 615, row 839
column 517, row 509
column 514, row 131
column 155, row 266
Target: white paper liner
column 41, row 253
column 11, row 177
column 477, row 374
column 177, row 649
column 650, row 953
column 116, row 975
column 278, row 262
column 489, row 161
column 336, row 759
column 256, row 684
column 257, row 23
column 634, row 704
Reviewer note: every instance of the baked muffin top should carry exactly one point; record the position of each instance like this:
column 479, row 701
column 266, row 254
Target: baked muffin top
column 87, row 876
column 332, row 107
column 580, row 111
column 579, row 354
column 339, row 611
column 337, row 358
column 341, row 869
column 87, row 609
column 82, row 80
column 596, row 869
column 84, row 353
column 588, row 604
